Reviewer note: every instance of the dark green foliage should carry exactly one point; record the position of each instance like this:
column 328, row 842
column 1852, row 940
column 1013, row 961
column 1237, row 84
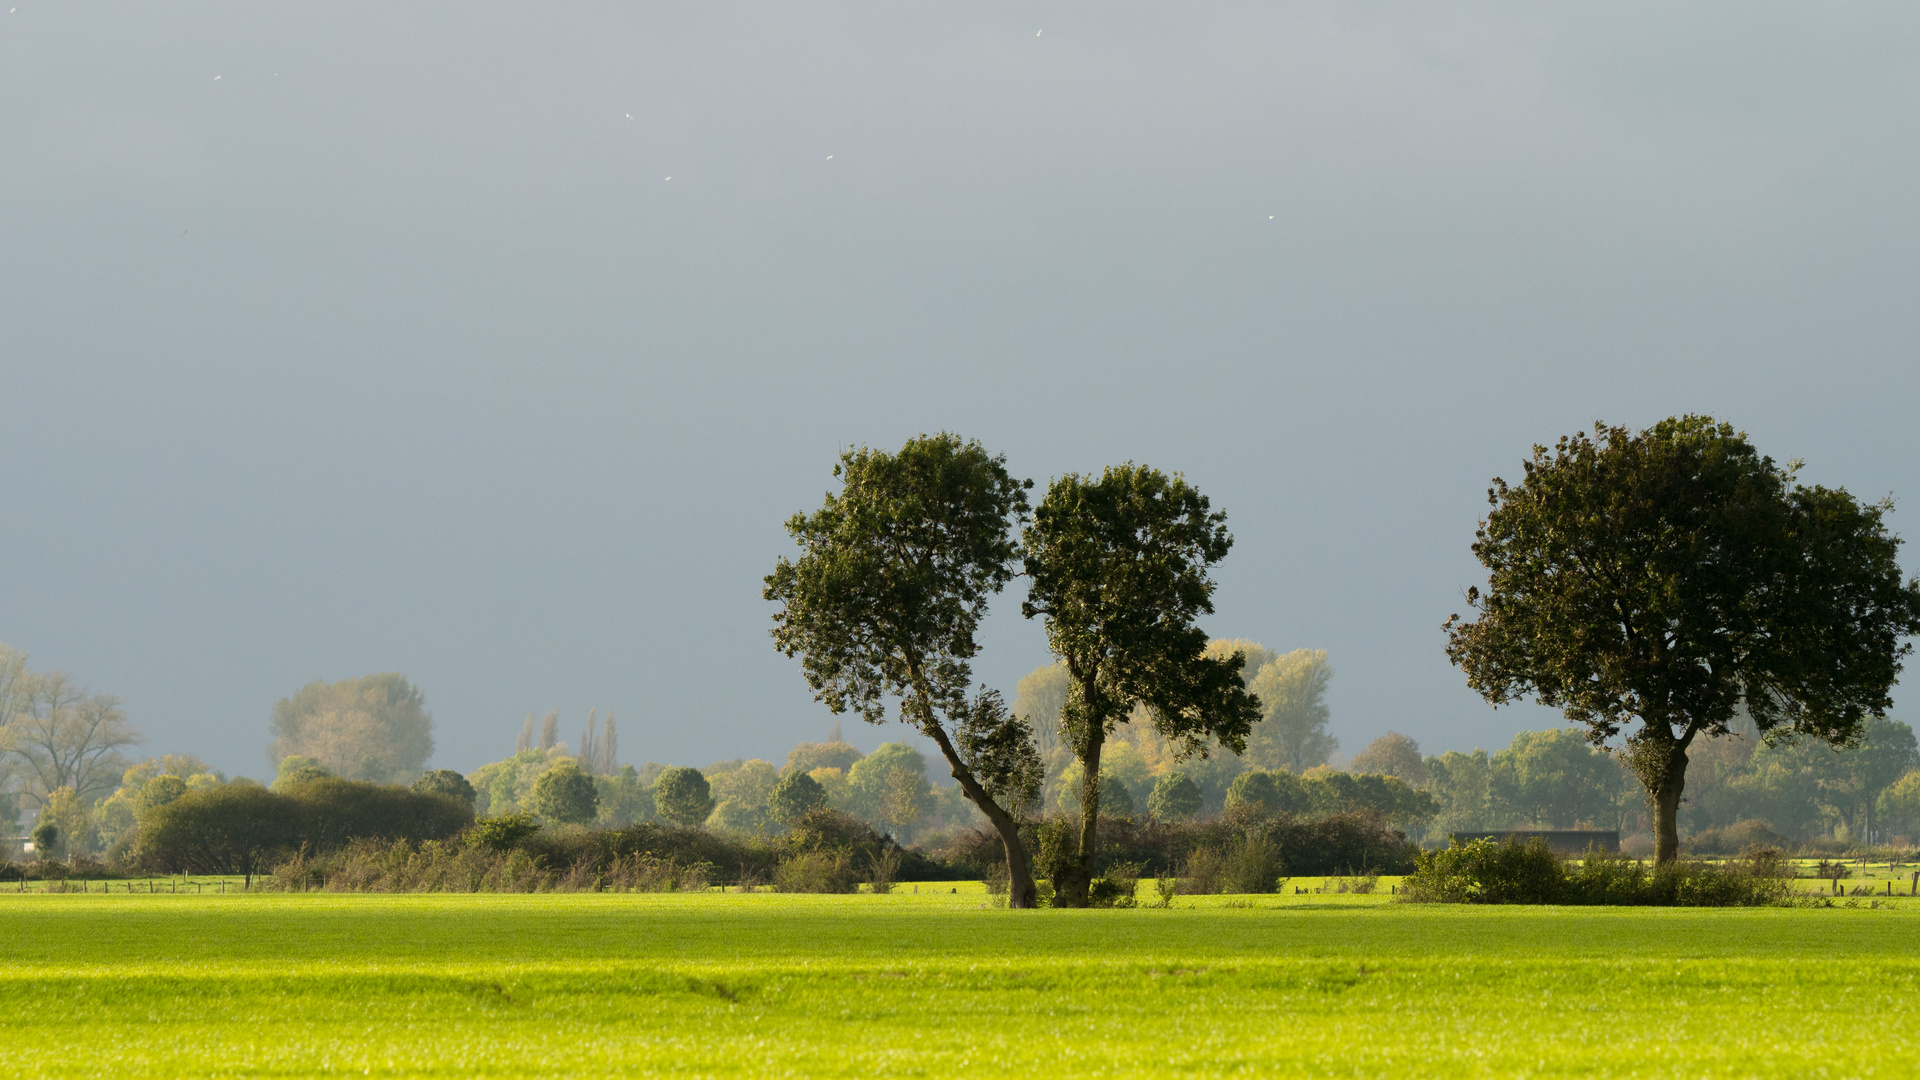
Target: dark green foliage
column 46, row 838
column 999, row 748
column 503, row 833
column 242, row 828
column 332, row 811
column 829, row 852
column 1271, row 792
column 794, row 797
column 445, row 782
column 895, row 574
column 1119, row 568
column 1670, row 577
column 1512, row 872
column 1175, row 797
column 566, row 795
column 239, row 828
column 1353, row 843
column 682, row 796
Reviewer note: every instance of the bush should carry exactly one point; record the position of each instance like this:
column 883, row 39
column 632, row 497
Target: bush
column 1485, row 872
column 1511, row 872
column 1734, row 839
column 815, row 872
column 503, row 833
column 332, row 812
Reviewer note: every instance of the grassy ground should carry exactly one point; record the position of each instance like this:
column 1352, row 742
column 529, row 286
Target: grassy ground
column 935, row 984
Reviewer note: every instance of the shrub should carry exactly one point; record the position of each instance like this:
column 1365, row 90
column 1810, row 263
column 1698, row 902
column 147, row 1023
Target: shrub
column 815, row 872
column 1485, row 872
column 882, row 868
column 504, row 833
column 1511, row 872
column 333, row 811
column 233, row 829
column 1734, row 839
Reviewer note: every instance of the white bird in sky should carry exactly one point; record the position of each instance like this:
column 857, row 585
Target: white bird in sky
column 829, row 157
column 629, row 116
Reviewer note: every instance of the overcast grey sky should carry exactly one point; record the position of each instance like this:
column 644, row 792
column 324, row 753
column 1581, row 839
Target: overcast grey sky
column 493, row 343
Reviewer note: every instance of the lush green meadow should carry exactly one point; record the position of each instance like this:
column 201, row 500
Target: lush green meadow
column 934, row 983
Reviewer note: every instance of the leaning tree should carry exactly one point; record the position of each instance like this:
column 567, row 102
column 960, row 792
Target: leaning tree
column 1119, row 572
column 1654, row 583
column 894, row 576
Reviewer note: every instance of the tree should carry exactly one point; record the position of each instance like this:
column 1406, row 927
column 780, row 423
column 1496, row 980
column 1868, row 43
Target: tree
column 1392, row 754
column 1038, row 699
column 1174, row 798
column 623, row 801
column 599, row 749
column 1900, row 803
column 895, row 574
column 449, row 783
column 1001, row 750
column 1119, row 569
column 374, row 728
column 566, row 795
column 794, row 797
column 1556, row 778
column 741, row 790
column 60, row 736
column 682, row 796
column 832, row 754
column 1653, row 583
column 237, row 828
column 889, row 786
column 330, row 812
column 1853, row 779
column 1463, row 786
column 158, row 792
column 46, row 838
column 297, row 769
column 1292, row 732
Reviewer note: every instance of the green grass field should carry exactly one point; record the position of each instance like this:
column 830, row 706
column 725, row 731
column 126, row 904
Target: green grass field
column 935, row 984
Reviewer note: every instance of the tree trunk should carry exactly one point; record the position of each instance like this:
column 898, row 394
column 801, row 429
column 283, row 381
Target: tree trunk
column 1665, row 798
column 1020, row 890
column 1074, row 888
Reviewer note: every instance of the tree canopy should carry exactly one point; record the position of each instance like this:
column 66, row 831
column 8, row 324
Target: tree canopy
column 1651, row 584
column 894, row 576
column 375, row 727
column 1119, row 569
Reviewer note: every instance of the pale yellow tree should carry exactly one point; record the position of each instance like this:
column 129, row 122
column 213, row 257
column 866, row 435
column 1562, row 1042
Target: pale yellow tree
column 1292, row 689
column 372, row 728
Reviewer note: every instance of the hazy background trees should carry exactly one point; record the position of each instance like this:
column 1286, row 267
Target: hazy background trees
column 375, row 727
